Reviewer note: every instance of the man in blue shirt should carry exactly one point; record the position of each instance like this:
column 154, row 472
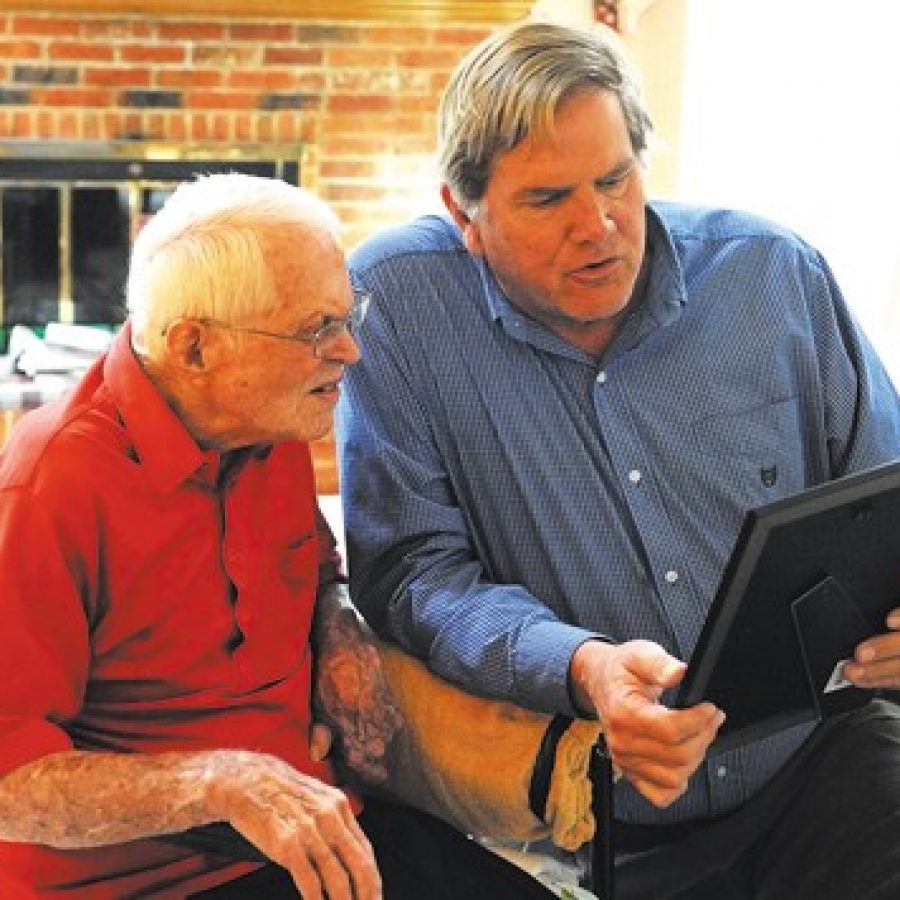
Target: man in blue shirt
column 568, row 398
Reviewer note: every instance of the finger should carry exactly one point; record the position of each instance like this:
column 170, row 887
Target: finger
column 644, row 724
column 333, row 874
column 357, row 859
column 305, row 877
column 658, row 795
column 320, row 739
column 878, row 674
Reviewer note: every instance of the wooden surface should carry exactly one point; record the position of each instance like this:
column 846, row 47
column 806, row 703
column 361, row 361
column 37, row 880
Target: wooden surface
column 432, row 11
column 323, row 453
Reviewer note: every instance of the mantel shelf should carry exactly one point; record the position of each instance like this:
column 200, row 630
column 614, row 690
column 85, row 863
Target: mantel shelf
column 431, row 11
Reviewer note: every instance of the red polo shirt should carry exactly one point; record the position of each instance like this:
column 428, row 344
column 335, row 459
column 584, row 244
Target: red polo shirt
column 153, row 597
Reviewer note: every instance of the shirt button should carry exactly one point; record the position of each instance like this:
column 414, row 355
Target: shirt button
column 601, row 378
column 671, row 576
column 634, row 476
column 722, row 771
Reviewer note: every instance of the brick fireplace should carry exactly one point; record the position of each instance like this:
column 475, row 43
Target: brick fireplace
column 346, row 92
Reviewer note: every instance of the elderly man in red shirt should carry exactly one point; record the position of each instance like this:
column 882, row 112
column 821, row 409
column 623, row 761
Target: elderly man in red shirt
column 162, row 561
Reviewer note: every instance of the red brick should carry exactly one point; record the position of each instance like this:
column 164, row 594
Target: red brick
column 45, row 26
column 426, row 58
column 151, row 53
column 309, row 131
column 199, row 129
column 340, row 145
column 71, row 97
column 345, row 124
column 243, row 128
column 353, row 192
column 116, row 77
column 261, row 31
column 286, row 126
column 117, row 29
column 90, row 126
column 292, row 56
column 220, row 100
column 67, row 127
column 20, row 49
column 45, row 125
column 227, row 56
column 328, row 34
column 176, row 127
column 342, row 57
column 265, row 128
column 187, row 78
column 221, row 128
column 112, row 125
column 421, row 104
column 156, row 126
column 464, row 37
column 80, row 50
column 347, row 103
column 343, row 168
column 272, row 80
column 133, row 125
column 191, row 31
column 21, row 124
column 310, row 82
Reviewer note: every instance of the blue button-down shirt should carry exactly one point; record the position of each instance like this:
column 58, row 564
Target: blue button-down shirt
column 507, row 495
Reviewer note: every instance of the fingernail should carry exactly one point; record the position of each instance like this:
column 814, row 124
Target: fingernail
column 865, row 654
column 893, row 620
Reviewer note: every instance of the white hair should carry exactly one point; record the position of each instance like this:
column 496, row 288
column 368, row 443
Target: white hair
column 203, row 253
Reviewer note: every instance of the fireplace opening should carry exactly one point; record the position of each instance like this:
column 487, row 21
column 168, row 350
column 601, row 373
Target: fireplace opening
column 69, row 212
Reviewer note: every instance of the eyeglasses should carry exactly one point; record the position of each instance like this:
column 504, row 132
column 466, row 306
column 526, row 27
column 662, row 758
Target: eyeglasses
column 322, row 339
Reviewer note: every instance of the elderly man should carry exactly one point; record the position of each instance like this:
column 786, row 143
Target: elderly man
column 568, row 399
column 162, row 560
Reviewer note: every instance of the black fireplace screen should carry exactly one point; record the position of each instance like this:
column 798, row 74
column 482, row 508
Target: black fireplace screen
column 69, row 215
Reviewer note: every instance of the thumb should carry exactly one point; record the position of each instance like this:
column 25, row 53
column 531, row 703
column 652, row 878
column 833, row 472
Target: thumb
column 669, row 672
column 319, row 742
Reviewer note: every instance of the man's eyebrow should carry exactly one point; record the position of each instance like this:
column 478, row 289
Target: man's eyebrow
column 622, row 168
column 539, row 191
column 536, row 192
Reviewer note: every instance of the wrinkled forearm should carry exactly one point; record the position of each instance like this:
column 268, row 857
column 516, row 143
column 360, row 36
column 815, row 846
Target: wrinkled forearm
column 77, row 799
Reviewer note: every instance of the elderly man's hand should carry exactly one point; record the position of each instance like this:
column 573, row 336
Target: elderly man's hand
column 297, row 821
column 656, row 748
column 876, row 662
column 353, row 699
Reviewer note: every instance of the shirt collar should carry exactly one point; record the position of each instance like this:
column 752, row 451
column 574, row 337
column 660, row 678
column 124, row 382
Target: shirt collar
column 162, row 444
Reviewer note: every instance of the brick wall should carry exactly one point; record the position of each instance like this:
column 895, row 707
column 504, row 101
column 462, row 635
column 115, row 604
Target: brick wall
column 358, row 96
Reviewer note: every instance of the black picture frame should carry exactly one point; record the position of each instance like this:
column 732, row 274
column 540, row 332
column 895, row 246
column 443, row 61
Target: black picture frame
column 810, row 576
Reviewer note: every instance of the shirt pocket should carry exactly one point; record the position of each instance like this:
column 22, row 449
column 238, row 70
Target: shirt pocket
column 755, row 455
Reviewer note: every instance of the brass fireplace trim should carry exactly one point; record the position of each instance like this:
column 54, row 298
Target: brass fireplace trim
column 132, row 166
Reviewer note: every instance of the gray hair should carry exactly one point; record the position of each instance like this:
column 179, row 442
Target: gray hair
column 511, row 85
column 204, row 252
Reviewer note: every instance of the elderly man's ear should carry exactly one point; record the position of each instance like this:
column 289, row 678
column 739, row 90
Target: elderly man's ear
column 188, row 344
column 469, row 228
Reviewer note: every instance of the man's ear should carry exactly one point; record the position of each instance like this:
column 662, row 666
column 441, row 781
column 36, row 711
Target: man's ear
column 469, row 228
column 187, row 344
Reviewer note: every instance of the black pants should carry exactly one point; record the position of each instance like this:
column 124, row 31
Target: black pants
column 826, row 828
column 419, row 857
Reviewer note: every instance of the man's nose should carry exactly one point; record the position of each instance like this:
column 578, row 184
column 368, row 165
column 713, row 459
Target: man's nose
column 342, row 348
column 592, row 219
